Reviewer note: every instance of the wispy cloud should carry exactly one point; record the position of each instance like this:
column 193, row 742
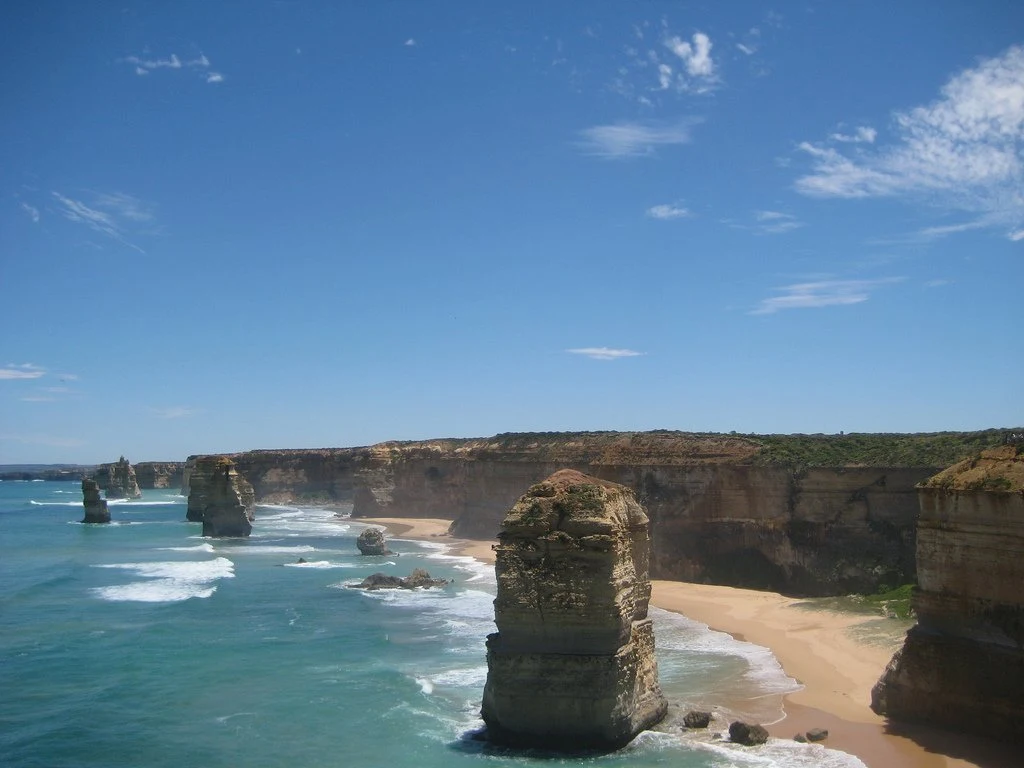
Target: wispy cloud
column 822, row 293
column 961, row 152
column 634, row 139
column 696, row 71
column 31, row 210
column 21, row 371
column 668, row 211
column 109, row 214
column 863, row 135
column 660, row 63
column 604, row 353
column 938, row 283
column 775, row 222
column 410, row 43
column 174, row 412
column 201, row 64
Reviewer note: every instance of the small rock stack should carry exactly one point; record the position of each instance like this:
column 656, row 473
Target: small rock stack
column 220, row 498
column 95, row 506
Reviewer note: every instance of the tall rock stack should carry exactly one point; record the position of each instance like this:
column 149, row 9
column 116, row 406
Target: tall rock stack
column 962, row 666
column 572, row 666
column 220, row 498
column 118, row 480
column 95, row 506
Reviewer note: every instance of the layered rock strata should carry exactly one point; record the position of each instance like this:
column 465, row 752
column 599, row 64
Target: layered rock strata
column 160, row 474
column 118, row 480
column 95, row 506
column 962, row 665
column 206, row 473
column 222, row 497
column 572, row 665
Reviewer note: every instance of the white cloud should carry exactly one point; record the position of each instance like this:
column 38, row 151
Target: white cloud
column 1017, row 235
column 668, row 211
column 822, row 293
column 937, row 283
column 603, row 353
column 31, row 210
column 775, row 222
column 664, row 77
column 37, row 399
column 699, row 68
column 409, row 43
column 632, row 139
column 21, row 371
column 67, row 376
column 143, row 66
column 747, row 49
column 109, row 214
column 964, row 151
column 863, row 135
column 949, row 229
column 174, row 412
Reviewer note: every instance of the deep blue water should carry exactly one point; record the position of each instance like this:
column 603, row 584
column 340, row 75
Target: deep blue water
column 141, row 643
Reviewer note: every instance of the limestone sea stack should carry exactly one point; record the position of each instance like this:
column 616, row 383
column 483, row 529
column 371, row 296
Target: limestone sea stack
column 962, row 665
column 372, row 541
column 95, row 505
column 224, row 498
column 572, row 665
column 118, row 480
column 203, row 472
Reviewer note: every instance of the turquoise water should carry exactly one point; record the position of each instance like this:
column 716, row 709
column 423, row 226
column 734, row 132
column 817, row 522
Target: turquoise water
column 142, row 644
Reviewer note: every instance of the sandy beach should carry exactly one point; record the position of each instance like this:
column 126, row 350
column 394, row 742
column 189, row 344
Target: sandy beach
column 816, row 647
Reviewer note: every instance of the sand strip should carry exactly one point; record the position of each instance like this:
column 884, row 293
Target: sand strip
column 814, row 646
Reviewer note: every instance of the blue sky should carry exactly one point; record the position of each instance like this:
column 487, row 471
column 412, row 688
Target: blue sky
column 227, row 226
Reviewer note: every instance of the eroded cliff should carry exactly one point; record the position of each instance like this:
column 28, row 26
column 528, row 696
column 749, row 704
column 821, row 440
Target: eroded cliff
column 572, row 665
column 118, row 480
column 160, row 474
column 962, row 665
column 219, row 497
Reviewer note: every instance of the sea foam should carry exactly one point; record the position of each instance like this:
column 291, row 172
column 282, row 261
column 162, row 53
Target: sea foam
column 167, row 581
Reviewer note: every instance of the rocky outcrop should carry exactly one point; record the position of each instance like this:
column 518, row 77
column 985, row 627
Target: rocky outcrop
column 160, row 474
column 221, row 498
column 208, row 472
column 418, row 579
column 962, row 665
column 373, row 542
column 747, row 734
column 118, row 480
column 572, row 665
column 95, row 506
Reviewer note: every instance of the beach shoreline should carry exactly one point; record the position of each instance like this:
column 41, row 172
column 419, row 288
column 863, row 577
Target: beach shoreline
column 814, row 646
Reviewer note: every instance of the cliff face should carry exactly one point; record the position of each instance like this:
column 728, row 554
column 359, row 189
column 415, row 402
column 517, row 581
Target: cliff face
column 962, row 665
column 572, row 665
column 724, row 509
column 118, row 480
column 223, row 497
column 160, row 474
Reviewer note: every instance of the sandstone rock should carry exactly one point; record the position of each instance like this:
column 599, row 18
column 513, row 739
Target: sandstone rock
column 223, row 496
column 747, row 734
column 817, row 734
column 800, row 738
column 206, row 472
column 118, row 480
column 962, row 665
column 159, row 474
column 697, row 719
column 419, row 578
column 95, row 506
column 572, row 666
column 373, row 542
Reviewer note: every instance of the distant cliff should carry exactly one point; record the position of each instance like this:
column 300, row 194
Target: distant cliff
column 160, row 474
column 803, row 514
column 962, row 665
column 118, row 480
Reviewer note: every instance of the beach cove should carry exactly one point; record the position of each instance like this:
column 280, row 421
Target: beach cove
column 835, row 655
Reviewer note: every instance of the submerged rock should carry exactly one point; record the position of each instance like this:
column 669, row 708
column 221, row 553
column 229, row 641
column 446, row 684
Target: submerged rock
column 118, row 480
column 747, row 734
column 572, row 666
column 373, row 542
column 225, row 497
column 418, row 578
column 95, row 506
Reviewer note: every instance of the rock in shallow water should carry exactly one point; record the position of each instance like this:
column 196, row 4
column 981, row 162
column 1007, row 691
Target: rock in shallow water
column 572, row 666
column 96, row 510
column 418, row 578
column 373, row 542
column 747, row 734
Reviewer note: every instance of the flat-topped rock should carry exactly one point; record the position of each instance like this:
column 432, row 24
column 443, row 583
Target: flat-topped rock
column 572, row 665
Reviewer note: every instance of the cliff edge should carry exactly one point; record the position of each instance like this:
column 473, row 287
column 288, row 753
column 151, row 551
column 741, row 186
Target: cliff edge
column 962, row 665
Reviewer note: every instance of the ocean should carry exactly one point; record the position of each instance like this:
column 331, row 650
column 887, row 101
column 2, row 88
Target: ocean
column 140, row 643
